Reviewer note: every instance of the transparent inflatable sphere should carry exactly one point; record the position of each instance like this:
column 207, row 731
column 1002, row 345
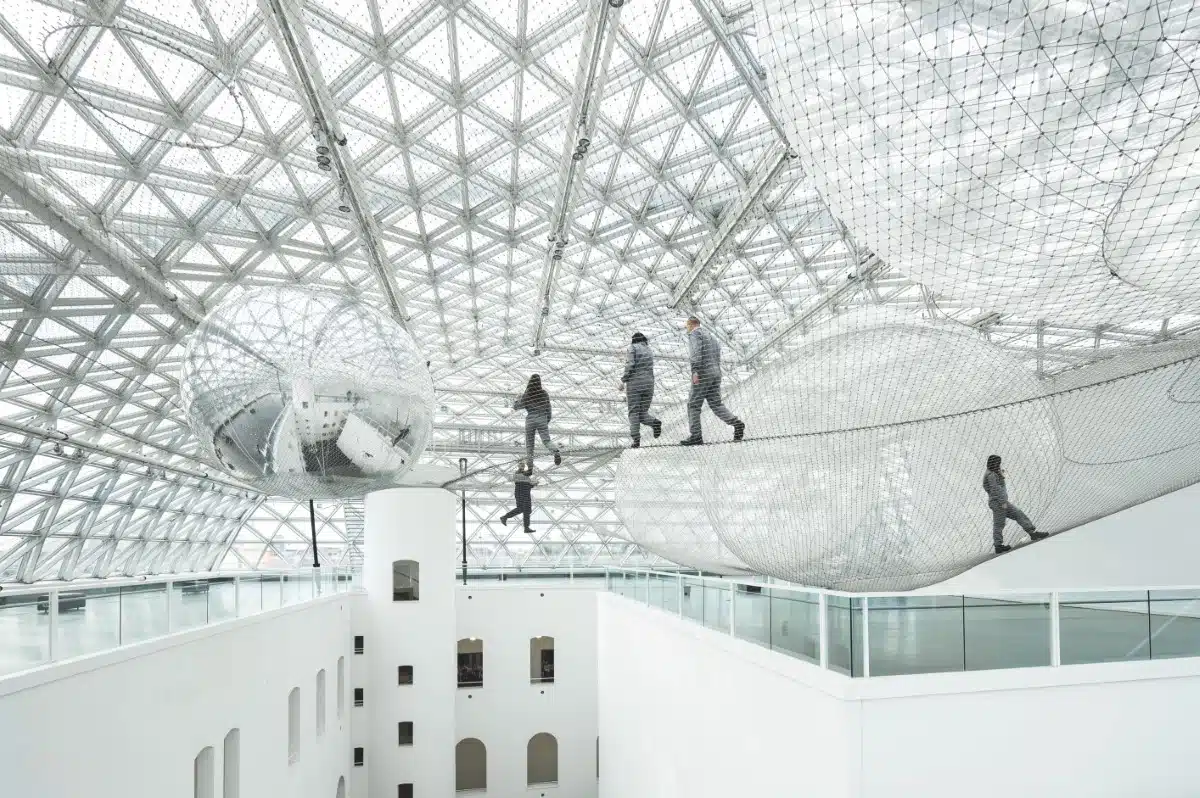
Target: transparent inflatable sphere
column 980, row 148
column 307, row 394
column 874, row 477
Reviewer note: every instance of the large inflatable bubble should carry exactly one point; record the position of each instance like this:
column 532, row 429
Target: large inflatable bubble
column 307, row 394
column 863, row 462
column 982, row 149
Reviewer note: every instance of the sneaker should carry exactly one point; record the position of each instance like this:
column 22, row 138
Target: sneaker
column 557, row 458
column 637, row 444
column 656, row 425
column 739, row 429
column 691, row 442
column 504, row 520
column 528, row 530
column 1035, row 535
column 1002, row 548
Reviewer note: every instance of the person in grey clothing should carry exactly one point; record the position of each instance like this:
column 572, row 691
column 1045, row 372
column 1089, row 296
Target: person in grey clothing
column 704, row 351
column 637, row 381
column 1002, row 509
column 523, row 483
column 536, row 404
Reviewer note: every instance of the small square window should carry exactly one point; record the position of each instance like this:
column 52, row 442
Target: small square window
column 358, row 696
column 358, row 757
column 406, row 732
column 406, row 674
column 404, row 791
column 359, row 644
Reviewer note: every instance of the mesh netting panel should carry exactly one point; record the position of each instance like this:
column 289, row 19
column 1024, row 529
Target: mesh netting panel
column 865, row 453
column 1028, row 157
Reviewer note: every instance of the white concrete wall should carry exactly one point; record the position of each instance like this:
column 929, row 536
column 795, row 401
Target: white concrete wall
column 409, row 524
column 1153, row 544
column 509, row 709
column 688, row 712
column 129, row 723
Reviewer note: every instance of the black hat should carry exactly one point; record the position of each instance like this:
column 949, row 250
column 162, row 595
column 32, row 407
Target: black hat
column 638, row 338
column 993, row 462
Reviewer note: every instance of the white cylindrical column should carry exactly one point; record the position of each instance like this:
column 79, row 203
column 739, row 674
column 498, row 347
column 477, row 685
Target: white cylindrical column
column 403, row 526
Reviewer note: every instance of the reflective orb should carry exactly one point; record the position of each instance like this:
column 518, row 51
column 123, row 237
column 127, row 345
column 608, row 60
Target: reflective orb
column 865, row 456
column 980, row 149
column 307, row 394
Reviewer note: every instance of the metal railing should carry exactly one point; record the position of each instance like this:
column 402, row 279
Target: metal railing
column 43, row 623
column 889, row 634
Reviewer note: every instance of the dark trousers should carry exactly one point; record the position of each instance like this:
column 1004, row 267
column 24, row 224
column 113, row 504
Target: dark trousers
column 524, row 508
column 638, row 402
column 1000, row 515
column 707, row 390
column 537, row 426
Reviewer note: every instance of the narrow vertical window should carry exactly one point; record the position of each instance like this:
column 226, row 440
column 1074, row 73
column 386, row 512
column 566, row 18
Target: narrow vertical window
column 321, row 703
column 404, row 790
column 232, row 764
column 360, row 644
column 405, row 732
column 341, row 687
column 406, row 580
column 405, row 674
column 204, row 773
column 293, row 725
column 359, row 755
column 358, row 696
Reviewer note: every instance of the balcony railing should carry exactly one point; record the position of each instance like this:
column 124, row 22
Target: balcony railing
column 57, row 621
column 888, row 634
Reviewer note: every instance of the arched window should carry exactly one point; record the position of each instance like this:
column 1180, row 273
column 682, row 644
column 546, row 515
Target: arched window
column 406, row 580
column 470, row 765
column 541, row 759
column 541, row 659
column 470, row 662
column 321, row 702
column 232, row 785
column 293, row 725
column 204, row 781
column 341, row 687
column 341, row 788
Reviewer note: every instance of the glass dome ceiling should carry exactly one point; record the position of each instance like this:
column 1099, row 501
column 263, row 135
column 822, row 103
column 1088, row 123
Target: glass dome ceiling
column 157, row 158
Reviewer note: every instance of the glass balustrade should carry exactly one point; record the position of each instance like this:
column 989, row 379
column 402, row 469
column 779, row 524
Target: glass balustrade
column 873, row 635
column 41, row 626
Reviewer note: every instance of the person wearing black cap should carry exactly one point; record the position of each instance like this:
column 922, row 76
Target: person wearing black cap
column 1002, row 509
column 704, row 352
column 637, row 381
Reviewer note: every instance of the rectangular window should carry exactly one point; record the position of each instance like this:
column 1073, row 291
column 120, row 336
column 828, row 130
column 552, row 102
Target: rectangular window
column 406, row 674
column 404, row 791
column 359, row 644
column 204, row 773
column 232, row 787
column 293, row 725
column 358, row 696
column 321, row 703
column 406, row 732
column 341, row 687
column 358, row 757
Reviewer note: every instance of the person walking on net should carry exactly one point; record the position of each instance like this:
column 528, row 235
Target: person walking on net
column 637, row 382
column 523, row 483
column 1002, row 509
column 705, row 354
column 536, row 404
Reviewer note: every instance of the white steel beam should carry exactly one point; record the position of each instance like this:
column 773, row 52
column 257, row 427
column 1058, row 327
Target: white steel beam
column 24, row 190
column 773, row 165
column 589, row 89
column 292, row 38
